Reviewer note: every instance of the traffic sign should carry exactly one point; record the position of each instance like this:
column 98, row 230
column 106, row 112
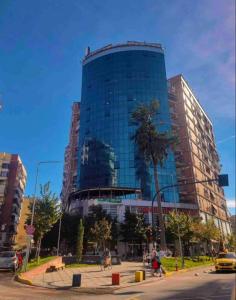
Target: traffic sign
column 29, row 229
column 223, row 180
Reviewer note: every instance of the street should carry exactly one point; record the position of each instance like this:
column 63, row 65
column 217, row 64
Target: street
column 182, row 286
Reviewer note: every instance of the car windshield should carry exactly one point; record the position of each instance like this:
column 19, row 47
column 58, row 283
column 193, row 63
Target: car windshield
column 227, row 255
column 7, row 254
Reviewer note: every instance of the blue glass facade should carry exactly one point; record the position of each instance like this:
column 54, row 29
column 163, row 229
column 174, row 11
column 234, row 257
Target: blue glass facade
column 115, row 82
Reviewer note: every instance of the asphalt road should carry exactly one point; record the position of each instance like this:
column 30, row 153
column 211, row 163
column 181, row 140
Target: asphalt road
column 185, row 286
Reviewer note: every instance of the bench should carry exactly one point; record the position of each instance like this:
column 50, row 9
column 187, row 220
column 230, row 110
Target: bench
column 54, row 268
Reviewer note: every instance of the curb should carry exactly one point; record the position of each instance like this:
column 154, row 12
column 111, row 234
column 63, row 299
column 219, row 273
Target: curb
column 108, row 289
column 23, row 280
column 169, row 274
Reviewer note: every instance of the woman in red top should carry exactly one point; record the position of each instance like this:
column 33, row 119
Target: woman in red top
column 20, row 259
column 156, row 265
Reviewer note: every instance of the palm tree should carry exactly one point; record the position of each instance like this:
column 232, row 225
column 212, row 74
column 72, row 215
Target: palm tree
column 153, row 146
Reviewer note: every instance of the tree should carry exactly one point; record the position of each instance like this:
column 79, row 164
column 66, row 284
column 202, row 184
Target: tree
column 80, row 240
column 101, row 232
column 206, row 232
column 134, row 228
column 181, row 226
column 69, row 233
column 231, row 242
column 153, row 146
column 46, row 214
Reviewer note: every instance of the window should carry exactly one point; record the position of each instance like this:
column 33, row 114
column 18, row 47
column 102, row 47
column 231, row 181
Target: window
column 3, row 173
column 5, row 165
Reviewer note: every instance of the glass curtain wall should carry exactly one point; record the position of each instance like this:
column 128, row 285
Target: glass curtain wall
column 113, row 85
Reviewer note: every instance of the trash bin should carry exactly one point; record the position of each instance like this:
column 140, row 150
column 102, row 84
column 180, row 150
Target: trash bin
column 115, row 278
column 76, row 280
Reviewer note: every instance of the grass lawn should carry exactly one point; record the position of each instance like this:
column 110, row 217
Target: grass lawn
column 80, row 265
column 169, row 263
column 34, row 263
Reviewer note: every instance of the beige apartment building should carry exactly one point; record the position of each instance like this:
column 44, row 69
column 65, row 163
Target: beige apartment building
column 21, row 237
column 196, row 155
column 70, row 158
column 12, row 185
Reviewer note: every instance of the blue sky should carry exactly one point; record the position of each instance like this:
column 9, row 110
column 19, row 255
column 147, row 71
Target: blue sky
column 42, row 44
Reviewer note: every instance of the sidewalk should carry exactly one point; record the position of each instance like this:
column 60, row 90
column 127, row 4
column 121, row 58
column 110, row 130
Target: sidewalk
column 92, row 277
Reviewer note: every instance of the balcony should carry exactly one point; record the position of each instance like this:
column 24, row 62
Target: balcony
column 15, row 209
column 17, row 201
column 2, row 189
column 13, row 229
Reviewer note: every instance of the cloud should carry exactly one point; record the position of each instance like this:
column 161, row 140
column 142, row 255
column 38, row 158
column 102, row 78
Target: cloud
column 231, row 203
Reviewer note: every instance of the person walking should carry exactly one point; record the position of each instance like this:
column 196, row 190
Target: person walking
column 19, row 259
column 144, row 257
column 156, row 266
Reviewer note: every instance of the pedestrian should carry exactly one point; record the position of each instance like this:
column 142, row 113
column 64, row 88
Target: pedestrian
column 144, row 257
column 156, row 266
column 154, row 253
column 19, row 259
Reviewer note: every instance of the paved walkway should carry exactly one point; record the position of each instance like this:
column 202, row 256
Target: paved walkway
column 92, row 277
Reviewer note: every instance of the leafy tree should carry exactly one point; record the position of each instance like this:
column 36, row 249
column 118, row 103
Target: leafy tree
column 134, row 228
column 46, row 214
column 80, row 240
column 181, row 226
column 69, row 229
column 69, row 233
column 231, row 242
column 206, row 232
column 101, row 232
column 153, row 146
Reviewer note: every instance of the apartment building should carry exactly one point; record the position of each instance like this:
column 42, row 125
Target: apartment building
column 12, row 185
column 196, row 155
column 71, row 156
column 21, row 237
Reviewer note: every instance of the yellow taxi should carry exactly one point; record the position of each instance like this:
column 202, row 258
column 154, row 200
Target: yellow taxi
column 226, row 261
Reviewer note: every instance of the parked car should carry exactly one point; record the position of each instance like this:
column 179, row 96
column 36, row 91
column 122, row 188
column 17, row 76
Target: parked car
column 226, row 261
column 8, row 260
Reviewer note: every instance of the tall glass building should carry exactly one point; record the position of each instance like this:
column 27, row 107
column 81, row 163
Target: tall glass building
column 116, row 79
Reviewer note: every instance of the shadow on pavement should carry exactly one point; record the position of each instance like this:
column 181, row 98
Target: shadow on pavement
column 215, row 289
column 129, row 293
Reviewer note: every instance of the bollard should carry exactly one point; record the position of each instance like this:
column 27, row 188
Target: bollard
column 76, row 280
column 144, row 274
column 138, row 276
column 115, row 277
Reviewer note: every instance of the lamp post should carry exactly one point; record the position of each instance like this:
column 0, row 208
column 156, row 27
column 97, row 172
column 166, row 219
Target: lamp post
column 33, row 207
column 59, row 231
column 179, row 238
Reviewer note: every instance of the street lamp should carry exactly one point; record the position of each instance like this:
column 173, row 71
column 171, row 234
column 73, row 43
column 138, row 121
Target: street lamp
column 179, row 238
column 34, row 202
column 59, row 231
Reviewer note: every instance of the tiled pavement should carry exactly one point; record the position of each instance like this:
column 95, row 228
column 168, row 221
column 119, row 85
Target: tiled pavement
column 91, row 277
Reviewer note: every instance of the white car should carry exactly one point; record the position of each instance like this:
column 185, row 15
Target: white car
column 8, row 260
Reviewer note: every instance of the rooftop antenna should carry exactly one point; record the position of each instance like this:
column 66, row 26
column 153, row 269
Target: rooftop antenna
column 87, row 52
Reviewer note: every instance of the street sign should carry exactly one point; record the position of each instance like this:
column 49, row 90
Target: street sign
column 29, row 229
column 223, row 180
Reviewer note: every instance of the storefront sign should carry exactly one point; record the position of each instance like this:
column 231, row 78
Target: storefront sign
column 109, row 200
